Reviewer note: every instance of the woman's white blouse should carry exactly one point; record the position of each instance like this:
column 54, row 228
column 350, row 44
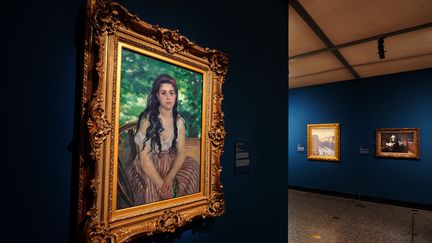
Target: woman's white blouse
column 166, row 144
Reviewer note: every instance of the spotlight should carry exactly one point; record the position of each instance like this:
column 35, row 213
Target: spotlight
column 381, row 48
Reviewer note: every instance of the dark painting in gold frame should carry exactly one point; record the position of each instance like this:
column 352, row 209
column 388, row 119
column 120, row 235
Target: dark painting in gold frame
column 399, row 143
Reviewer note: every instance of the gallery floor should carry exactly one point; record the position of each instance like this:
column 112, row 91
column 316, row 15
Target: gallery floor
column 327, row 219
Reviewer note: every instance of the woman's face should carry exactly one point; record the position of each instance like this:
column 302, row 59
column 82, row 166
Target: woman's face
column 167, row 96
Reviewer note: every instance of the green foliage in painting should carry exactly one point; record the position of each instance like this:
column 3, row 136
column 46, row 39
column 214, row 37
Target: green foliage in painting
column 137, row 75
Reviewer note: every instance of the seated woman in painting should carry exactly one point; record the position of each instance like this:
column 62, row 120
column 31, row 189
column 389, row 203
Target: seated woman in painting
column 394, row 145
column 160, row 170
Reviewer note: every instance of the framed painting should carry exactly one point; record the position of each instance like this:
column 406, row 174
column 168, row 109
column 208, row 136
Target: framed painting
column 323, row 141
column 397, row 143
column 152, row 128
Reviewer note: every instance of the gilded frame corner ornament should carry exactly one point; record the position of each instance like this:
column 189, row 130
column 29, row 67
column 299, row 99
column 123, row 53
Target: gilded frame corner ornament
column 323, row 141
column 110, row 30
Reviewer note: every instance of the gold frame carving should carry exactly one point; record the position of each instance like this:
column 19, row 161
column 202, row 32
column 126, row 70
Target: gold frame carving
column 311, row 145
column 108, row 26
column 412, row 147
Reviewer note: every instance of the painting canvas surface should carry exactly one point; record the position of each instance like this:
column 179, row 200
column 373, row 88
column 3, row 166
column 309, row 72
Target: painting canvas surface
column 323, row 141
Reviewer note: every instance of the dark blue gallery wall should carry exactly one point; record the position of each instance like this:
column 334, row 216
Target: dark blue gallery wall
column 41, row 77
column 393, row 101
column 38, row 102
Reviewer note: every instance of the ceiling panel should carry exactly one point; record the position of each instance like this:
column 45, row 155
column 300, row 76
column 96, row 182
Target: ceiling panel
column 395, row 66
column 347, row 20
column 401, row 46
column 301, row 38
column 320, row 78
column 349, row 23
column 313, row 64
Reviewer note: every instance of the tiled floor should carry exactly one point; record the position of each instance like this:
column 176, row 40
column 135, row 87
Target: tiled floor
column 326, row 219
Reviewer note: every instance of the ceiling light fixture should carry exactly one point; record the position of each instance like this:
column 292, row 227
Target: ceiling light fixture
column 381, row 48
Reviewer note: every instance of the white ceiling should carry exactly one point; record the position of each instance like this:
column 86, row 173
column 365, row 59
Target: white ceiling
column 347, row 47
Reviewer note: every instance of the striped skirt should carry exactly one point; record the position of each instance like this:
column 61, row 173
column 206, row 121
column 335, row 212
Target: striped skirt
column 144, row 191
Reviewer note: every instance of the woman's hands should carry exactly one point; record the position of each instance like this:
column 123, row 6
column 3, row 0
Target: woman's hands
column 166, row 190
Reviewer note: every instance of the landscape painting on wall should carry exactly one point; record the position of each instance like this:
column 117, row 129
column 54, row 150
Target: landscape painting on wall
column 323, row 141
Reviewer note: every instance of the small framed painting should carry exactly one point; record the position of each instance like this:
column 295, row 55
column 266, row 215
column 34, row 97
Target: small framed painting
column 323, row 141
column 397, row 143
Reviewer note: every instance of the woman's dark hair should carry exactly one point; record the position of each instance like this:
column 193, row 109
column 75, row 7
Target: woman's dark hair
column 151, row 113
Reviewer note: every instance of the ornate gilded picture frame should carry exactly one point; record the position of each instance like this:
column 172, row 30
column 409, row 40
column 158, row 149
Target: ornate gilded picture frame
column 399, row 143
column 323, row 141
column 151, row 131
